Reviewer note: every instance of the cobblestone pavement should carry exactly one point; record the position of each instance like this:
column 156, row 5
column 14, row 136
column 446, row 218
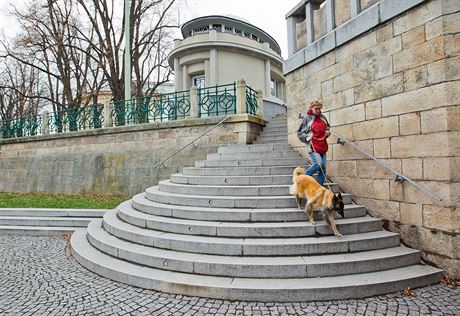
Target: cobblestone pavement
column 37, row 277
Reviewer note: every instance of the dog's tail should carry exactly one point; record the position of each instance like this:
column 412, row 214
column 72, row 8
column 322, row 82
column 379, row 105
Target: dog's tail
column 297, row 172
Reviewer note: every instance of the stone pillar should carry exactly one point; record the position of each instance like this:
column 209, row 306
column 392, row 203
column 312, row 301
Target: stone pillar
column 107, row 114
column 309, row 23
column 185, row 84
column 45, row 123
column 260, row 103
column 177, row 75
column 291, row 35
column 213, row 67
column 330, row 15
column 194, row 102
column 267, row 77
column 354, row 7
column 241, row 97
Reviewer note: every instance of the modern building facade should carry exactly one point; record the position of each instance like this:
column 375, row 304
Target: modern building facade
column 219, row 50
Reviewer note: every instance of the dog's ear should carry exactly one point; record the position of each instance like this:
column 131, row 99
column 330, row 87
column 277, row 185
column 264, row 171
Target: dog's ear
column 339, row 196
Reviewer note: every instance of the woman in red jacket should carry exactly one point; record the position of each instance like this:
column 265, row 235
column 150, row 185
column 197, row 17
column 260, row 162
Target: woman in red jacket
column 314, row 131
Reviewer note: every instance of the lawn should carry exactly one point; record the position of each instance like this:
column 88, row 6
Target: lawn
column 56, row 200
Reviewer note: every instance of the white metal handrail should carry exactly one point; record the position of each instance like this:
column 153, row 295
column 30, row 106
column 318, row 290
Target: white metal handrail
column 190, row 143
column 399, row 177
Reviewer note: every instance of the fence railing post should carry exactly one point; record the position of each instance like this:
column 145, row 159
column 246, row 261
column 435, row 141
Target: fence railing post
column 107, row 114
column 260, row 103
column 45, row 123
column 241, row 97
column 194, row 102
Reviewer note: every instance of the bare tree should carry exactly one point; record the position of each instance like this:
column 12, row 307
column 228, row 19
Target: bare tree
column 151, row 25
column 21, row 91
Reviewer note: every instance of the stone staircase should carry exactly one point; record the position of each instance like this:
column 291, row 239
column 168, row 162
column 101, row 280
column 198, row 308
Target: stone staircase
column 45, row 222
column 228, row 228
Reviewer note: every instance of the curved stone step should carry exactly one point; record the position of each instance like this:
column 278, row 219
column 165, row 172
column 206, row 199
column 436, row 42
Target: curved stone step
column 250, row 266
column 239, row 171
column 248, row 246
column 239, row 148
column 261, row 162
column 141, row 203
column 254, row 155
column 281, row 201
column 181, row 178
column 298, row 289
column 249, row 229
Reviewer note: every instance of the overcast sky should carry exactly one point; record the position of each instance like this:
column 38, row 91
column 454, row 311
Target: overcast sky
column 265, row 14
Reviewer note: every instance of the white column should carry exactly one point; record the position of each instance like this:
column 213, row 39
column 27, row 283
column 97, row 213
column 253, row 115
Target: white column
column 177, row 75
column 267, row 77
column 213, row 67
column 354, row 7
column 291, row 35
column 309, row 23
column 184, row 85
column 330, row 15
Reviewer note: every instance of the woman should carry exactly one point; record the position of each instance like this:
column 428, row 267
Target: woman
column 313, row 132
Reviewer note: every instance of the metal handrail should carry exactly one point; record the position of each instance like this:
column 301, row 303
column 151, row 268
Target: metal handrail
column 399, row 177
column 190, row 143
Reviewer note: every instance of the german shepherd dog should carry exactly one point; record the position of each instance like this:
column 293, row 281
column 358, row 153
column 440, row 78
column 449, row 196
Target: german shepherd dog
column 317, row 197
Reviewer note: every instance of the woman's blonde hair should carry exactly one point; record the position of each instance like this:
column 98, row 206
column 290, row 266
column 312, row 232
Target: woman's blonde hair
column 316, row 102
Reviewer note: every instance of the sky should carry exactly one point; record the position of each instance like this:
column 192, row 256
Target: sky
column 268, row 15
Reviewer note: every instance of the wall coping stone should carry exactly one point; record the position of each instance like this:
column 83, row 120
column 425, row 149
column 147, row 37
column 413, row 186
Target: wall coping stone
column 189, row 122
column 365, row 21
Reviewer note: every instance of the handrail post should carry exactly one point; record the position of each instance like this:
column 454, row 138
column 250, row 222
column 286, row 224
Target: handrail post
column 260, row 103
column 45, row 124
column 241, row 97
column 107, row 114
column 194, row 102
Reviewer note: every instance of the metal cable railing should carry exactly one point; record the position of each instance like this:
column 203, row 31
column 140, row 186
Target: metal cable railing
column 399, row 177
column 190, row 143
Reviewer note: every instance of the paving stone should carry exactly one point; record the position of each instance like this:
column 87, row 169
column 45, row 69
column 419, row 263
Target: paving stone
column 38, row 277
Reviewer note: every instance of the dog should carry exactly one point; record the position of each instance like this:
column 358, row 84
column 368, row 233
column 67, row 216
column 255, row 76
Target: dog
column 317, row 197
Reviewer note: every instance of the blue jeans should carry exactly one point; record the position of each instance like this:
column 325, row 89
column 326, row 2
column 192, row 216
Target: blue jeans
column 317, row 161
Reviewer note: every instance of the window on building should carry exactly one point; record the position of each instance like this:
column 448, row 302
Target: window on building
column 199, row 81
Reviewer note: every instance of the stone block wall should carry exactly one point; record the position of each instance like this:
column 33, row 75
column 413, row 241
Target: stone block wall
column 118, row 160
column 395, row 92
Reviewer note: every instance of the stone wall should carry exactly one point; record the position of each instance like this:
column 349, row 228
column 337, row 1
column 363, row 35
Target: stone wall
column 114, row 160
column 394, row 91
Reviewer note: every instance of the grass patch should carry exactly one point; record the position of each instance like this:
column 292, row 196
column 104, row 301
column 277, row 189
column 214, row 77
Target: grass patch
column 56, row 200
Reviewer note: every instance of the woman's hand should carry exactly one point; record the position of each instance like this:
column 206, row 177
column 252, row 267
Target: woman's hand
column 308, row 138
column 327, row 133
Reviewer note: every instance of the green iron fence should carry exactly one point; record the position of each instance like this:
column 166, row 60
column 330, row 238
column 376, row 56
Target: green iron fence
column 218, row 100
column 251, row 101
column 164, row 107
column 30, row 125
column 76, row 119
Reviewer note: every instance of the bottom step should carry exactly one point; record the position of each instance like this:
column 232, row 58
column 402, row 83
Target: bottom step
column 246, row 289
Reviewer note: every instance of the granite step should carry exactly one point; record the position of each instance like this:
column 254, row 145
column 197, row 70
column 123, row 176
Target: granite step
column 240, row 171
column 253, row 148
column 238, row 246
column 253, row 155
column 251, row 266
column 38, row 230
column 261, row 162
column 44, row 221
column 303, row 228
column 141, row 203
column 283, row 201
column 254, row 289
column 229, row 190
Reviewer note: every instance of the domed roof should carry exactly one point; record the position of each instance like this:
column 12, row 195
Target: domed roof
column 239, row 25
